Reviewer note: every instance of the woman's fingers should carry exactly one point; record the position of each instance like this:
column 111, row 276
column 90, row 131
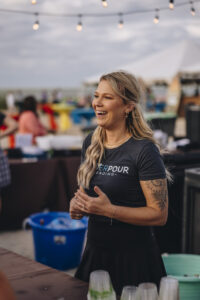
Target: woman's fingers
column 98, row 191
column 73, row 207
column 82, row 203
column 82, row 195
column 76, row 216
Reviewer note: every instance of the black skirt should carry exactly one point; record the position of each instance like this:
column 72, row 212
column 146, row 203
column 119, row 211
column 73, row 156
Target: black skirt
column 129, row 253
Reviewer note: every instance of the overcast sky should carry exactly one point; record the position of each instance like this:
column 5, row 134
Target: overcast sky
column 58, row 56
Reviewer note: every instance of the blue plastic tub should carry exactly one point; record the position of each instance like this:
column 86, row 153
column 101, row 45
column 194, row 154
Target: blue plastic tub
column 60, row 248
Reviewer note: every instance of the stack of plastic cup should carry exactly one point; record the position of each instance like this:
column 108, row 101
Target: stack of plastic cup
column 169, row 289
column 147, row 291
column 129, row 293
column 100, row 286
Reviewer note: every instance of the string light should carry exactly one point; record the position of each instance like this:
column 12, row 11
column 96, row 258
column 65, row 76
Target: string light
column 121, row 21
column 104, row 3
column 156, row 18
column 36, row 24
column 102, row 15
column 79, row 25
column 171, row 4
column 192, row 9
column 33, row 1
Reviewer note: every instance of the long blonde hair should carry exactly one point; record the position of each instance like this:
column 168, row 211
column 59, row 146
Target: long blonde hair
column 127, row 88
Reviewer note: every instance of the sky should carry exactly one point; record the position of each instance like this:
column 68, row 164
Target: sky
column 57, row 55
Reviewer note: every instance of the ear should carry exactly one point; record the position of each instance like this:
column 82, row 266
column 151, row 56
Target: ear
column 130, row 107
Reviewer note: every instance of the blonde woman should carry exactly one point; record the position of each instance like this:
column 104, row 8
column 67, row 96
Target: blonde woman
column 123, row 188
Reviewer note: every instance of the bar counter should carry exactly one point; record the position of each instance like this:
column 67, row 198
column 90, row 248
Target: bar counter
column 31, row 280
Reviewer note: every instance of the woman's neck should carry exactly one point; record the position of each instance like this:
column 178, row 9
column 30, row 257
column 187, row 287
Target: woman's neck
column 116, row 138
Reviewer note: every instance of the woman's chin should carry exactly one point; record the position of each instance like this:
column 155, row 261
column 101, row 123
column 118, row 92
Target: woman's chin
column 101, row 124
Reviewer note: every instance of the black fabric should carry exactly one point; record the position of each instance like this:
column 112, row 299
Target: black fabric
column 122, row 168
column 2, row 117
column 129, row 253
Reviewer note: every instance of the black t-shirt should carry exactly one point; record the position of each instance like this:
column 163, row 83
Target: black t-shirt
column 121, row 169
column 2, row 117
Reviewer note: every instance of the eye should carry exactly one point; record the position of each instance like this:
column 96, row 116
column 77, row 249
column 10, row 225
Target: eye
column 95, row 96
column 108, row 97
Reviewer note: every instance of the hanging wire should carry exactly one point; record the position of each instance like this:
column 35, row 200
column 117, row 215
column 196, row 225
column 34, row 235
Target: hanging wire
column 79, row 25
column 156, row 18
column 36, row 24
column 192, row 9
column 100, row 15
column 171, row 4
column 121, row 21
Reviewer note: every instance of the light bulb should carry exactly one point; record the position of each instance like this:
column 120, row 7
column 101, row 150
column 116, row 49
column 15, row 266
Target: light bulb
column 171, row 4
column 79, row 26
column 104, row 3
column 36, row 25
column 192, row 10
column 156, row 20
column 121, row 24
column 34, row 1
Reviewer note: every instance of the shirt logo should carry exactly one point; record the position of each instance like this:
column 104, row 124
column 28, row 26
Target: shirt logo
column 111, row 170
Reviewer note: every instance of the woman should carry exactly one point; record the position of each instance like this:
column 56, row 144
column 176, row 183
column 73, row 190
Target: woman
column 123, row 188
column 29, row 121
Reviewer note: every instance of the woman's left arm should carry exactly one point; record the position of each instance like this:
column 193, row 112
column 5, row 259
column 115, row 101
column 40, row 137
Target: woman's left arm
column 153, row 214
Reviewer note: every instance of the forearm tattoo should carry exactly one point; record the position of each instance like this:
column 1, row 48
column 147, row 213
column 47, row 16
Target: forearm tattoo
column 159, row 191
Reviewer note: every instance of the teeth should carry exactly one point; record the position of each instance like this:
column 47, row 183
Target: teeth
column 101, row 112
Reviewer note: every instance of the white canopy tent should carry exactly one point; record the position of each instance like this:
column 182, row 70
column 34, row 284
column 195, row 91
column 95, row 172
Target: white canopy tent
column 164, row 65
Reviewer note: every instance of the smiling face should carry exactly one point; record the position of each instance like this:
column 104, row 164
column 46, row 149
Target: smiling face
column 109, row 107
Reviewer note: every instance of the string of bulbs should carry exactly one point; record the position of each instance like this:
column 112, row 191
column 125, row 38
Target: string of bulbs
column 120, row 15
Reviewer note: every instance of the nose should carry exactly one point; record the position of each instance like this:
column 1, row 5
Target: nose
column 97, row 101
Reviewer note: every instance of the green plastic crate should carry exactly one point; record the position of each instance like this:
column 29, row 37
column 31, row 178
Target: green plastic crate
column 186, row 269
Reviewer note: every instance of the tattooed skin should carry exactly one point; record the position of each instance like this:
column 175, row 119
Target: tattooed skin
column 158, row 189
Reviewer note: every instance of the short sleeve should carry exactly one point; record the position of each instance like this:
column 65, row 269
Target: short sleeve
column 150, row 163
column 86, row 144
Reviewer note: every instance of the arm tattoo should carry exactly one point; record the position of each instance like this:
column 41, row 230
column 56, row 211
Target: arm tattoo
column 158, row 189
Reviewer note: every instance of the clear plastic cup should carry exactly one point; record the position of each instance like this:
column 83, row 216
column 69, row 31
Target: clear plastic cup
column 169, row 289
column 129, row 293
column 100, row 286
column 147, row 291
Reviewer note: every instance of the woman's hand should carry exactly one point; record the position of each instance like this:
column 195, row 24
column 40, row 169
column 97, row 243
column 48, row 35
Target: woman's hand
column 100, row 205
column 75, row 212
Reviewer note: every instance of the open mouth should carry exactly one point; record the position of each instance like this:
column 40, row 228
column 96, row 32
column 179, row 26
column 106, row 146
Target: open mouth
column 100, row 113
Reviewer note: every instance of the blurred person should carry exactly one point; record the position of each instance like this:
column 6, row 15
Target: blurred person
column 11, row 127
column 150, row 100
column 19, row 100
column 122, row 187
column 56, row 97
column 10, row 102
column 6, row 291
column 44, row 97
column 10, row 124
column 29, row 121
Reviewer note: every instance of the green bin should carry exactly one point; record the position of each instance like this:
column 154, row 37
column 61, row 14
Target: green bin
column 186, row 269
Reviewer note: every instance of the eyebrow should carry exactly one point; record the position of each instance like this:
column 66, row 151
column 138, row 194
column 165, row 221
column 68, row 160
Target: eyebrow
column 96, row 92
